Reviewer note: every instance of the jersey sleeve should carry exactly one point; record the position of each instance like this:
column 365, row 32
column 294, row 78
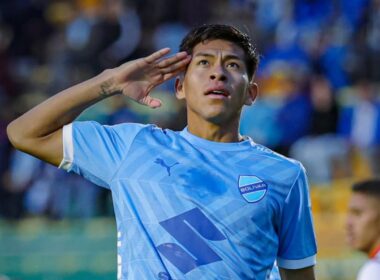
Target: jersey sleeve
column 297, row 243
column 96, row 151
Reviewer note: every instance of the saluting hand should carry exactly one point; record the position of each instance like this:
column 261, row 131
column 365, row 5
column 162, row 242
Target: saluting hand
column 137, row 78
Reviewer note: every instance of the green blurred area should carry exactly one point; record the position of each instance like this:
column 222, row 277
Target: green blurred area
column 40, row 249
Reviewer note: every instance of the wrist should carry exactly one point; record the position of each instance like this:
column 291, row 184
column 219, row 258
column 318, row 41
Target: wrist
column 107, row 85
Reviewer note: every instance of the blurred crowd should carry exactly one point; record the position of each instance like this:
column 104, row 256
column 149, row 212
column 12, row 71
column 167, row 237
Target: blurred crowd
column 319, row 83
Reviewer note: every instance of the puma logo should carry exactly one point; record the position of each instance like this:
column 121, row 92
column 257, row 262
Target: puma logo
column 162, row 163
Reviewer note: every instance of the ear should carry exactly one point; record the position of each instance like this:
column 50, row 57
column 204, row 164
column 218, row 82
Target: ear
column 253, row 91
column 179, row 89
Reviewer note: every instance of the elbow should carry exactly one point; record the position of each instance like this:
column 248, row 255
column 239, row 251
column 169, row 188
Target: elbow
column 15, row 136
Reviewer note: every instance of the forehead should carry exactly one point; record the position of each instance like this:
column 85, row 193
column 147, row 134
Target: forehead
column 218, row 47
column 363, row 202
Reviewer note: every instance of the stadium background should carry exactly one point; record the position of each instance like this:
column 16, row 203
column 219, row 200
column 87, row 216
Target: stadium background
column 319, row 81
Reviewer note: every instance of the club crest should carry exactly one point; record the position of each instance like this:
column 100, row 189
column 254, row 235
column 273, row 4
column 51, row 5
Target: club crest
column 252, row 188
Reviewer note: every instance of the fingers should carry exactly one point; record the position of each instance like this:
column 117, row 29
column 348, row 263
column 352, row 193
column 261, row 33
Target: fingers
column 172, row 60
column 168, row 76
column 151, row 102
column 156, row 55
column 170, row 64
column 176, row 66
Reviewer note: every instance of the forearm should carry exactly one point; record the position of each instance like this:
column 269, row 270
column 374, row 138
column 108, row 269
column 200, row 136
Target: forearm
column 60, row 109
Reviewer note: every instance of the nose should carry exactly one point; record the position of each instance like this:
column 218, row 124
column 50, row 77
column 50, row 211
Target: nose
column 218, row 73
column 348, row 223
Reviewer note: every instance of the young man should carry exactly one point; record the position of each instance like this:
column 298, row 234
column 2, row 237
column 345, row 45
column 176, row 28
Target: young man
column 202, row 203
column 363, row 226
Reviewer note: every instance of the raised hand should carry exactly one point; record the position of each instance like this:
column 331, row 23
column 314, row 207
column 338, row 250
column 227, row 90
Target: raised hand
column 137, row 78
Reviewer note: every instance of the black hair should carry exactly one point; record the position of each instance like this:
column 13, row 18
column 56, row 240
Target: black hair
column 369, row 187
column 222, row 32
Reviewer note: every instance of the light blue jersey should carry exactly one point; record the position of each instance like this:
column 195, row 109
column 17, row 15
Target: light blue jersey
column 189, row 208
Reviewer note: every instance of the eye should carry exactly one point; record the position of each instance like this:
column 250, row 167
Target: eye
column 233, row 65
column 203, row 62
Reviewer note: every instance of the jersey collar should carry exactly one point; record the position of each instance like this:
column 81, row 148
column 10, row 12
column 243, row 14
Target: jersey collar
column 374, row 252
column 218, row 146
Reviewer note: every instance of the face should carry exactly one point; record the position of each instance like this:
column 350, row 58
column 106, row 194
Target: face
column 216, row 83
column 363, row 222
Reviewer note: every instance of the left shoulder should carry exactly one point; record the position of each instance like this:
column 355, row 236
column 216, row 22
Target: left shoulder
column 280, row 160
column 370, row 270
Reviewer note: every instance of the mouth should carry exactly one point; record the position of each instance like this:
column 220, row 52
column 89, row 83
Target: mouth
column 217, row 93
column 350, row 238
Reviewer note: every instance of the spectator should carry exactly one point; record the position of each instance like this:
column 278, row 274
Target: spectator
column 360, row 124
column 322, row 152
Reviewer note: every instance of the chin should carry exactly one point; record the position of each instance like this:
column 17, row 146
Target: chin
column 215, row 119
column 351, row 242
column 220, row 118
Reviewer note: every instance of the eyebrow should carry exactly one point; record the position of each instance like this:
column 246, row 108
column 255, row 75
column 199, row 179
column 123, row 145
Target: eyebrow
column 226, row 57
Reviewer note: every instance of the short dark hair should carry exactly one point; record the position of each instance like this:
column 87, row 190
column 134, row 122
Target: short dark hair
column 369, row 187
column 223, row 32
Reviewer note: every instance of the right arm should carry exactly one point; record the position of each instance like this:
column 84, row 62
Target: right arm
column 39, row 131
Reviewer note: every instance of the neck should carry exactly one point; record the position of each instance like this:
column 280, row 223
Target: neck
column 215, row 132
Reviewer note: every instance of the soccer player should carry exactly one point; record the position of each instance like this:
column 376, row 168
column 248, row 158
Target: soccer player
column 363, row 225
column 201, row 203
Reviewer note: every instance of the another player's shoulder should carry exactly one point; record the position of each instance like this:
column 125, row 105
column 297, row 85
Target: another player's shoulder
column 370, row 270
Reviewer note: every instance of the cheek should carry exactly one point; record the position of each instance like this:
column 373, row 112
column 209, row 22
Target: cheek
column 367, row 228
column 364, row 222
column 356, row 224
column 240, row 82
column 193, row 81
column 241, row 93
